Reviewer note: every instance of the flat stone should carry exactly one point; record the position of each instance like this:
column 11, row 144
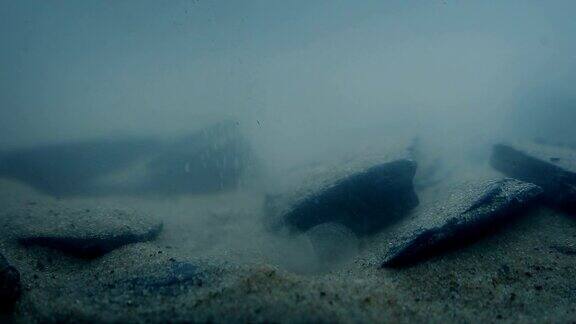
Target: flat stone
column 468, row 213
column 82, row 232
column 139, row 271
column 363, row 195
column 176, row 276
column 10, row 286
column 551, row 167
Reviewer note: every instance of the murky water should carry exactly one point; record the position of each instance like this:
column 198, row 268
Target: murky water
column 159, row 157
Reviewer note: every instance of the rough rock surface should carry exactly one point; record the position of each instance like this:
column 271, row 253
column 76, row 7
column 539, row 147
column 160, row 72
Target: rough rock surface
column 9, row 284
column 362, row 195
column 468, row 213
column 82, row 232
column 552, row 168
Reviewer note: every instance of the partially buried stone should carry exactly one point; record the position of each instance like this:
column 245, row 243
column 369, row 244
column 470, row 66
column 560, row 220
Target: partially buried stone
column 82, row 232
column 10, row 287
column 467, row 214
column 177, row 275
column 362, row 195
column 551, row 167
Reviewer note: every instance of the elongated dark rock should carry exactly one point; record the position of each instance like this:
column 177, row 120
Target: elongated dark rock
column 363, row 196
column 71, row 168
column 552, row 168
column 211, row 159
column 10, row 286
column 467, row 214
column 82, row 232
column 179, row 275
column 90, row 247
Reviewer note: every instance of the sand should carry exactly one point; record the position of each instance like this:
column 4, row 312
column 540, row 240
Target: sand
column 522, row 273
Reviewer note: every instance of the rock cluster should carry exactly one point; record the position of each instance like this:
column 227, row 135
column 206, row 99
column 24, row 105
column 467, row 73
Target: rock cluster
column 81, row 232
column 380, row 193
column 336, row 209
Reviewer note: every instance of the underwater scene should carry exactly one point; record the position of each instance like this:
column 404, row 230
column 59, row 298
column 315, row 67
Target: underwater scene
column 266, row 161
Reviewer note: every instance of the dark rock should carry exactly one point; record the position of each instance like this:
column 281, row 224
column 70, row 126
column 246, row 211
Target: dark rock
column 10, row 286
column 467, row 214
column 90, row 247
column 361, row 195
column 85, row 233
column 552, row 168
column 72, row 168
column 213, row 159
column 178, row 275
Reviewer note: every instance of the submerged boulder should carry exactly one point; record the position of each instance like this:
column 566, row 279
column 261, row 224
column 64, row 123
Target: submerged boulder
column 10, row 286
column 361, row 195
column 552, row 168
column 82, row 232
column 467, row 214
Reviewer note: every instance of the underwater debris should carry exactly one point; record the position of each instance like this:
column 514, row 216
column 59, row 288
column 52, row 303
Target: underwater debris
column 81, row 232
column 470, row 212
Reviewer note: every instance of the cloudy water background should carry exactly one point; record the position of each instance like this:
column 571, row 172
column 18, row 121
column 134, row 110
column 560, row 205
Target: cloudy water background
column 299, row 76
column 174, row 160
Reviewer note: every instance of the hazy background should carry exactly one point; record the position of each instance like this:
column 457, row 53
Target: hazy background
column 301, row 77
